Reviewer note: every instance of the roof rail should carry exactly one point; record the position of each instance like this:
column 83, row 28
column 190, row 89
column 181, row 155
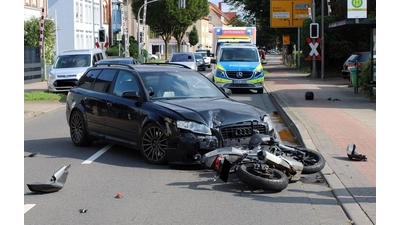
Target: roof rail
column 113, row 64
column 166, row 64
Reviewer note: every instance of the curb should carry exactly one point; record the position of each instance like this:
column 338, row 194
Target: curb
column 31, row 114
column 351, row 208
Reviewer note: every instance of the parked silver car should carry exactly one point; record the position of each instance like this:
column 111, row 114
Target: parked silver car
column 184, row 58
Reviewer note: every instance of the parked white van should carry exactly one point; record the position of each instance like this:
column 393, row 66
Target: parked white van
column 69, row 67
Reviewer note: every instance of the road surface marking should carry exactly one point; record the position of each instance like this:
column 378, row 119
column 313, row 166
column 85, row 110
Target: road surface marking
column 28, row 207
column 98, row 154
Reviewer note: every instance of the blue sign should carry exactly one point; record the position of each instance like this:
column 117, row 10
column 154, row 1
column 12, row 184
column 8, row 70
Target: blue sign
column 302, row 6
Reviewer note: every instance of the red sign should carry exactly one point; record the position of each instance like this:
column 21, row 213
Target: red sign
column 234, row 32
column 313, row 49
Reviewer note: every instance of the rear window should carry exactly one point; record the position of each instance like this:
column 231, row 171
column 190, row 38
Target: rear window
column 364, row 57
column 182, row 58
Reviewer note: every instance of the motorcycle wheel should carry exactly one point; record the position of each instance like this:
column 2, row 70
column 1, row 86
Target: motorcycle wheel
column 313, row 161
column 270, row 179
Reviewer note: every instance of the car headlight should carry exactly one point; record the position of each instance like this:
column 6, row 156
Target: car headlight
column 78, row 75
column 194, row 127
column 220, row 73
column 258, row 72
column 52, row 76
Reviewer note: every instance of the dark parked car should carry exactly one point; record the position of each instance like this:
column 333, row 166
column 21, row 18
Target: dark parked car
column 360, row 57
column 128, row 60
column 170, row 113
column 200, row 62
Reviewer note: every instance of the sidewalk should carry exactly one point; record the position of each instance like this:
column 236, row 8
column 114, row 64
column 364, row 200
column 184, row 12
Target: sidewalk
column 32, row 109
column 329, row 126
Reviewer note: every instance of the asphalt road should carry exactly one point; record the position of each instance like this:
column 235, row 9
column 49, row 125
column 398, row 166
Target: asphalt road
column 155, row 194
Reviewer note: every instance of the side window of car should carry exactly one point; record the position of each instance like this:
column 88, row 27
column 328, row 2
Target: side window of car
column 104, row 80
column 99, row 56
column 94, row 60
column 87, row 80
column 125, row 82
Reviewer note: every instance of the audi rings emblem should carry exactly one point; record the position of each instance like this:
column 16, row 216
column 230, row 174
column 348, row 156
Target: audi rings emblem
column 239, row 74
column 243, row 132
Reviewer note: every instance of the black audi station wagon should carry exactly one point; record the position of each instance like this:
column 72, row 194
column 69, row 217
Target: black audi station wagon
column 170, row 113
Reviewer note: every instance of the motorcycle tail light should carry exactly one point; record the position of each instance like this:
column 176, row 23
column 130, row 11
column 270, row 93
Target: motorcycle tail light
column 216, row 165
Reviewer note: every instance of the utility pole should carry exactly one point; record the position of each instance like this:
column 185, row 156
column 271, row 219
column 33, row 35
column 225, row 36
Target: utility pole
column 125, row 30
column 314, row 71
column 138, row 25
column 322, row 40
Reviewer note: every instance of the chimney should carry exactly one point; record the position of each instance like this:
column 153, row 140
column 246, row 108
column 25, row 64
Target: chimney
column 220, row 5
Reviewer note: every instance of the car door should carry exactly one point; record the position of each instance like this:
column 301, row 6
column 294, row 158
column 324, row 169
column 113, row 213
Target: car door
column 123, row 113
column 94, row 102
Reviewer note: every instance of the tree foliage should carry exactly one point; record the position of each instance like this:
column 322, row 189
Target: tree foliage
column 31, row 36
column 165, row 18
column 193, row 37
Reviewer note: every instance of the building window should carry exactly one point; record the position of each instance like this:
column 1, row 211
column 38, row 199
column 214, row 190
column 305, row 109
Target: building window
column 34, row 3
column 76, row 12
column 105, row 12
column 80, row 13
column 27, row 2
column 41, row 3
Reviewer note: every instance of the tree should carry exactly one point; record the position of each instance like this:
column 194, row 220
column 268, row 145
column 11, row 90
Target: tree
column 195, row 10
column 193, row 37
column 31, row 36
column 164, row 17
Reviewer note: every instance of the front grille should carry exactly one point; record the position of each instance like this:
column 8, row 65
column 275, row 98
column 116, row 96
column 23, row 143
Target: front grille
column 233, row 75
column 241, row 131
column 233, row 85
column 65, row 83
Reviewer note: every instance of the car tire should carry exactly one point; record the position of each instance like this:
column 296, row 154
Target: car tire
column 153, row 144
column 78, row 130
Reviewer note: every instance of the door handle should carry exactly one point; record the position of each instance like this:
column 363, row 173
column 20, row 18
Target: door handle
column 109, row 104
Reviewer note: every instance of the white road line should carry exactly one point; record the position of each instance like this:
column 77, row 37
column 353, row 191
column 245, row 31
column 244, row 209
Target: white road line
column 28, row 207
column 98, row 154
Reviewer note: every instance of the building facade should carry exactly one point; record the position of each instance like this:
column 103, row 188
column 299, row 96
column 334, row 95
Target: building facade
column 78, row 23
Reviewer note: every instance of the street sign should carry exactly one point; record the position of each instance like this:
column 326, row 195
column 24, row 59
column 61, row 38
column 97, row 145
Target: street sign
column 286, row 39
column 289, row 14
column 313, row 49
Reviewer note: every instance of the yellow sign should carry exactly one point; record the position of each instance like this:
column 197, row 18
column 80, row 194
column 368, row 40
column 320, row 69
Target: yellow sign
column 287, row 14
column 286, row 39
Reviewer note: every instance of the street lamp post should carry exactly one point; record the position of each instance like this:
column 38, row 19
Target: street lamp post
column 138, row 25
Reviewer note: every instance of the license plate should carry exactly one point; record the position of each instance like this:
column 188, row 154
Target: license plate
column 239, row 81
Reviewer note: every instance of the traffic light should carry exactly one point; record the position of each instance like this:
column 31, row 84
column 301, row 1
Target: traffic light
column 102, row 35
column 314, row 30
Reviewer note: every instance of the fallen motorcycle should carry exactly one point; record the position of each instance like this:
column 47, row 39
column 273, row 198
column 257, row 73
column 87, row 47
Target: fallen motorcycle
column 312, row 160
column 264, row 163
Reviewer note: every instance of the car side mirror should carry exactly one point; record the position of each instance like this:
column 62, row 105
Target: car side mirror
column 130, row 95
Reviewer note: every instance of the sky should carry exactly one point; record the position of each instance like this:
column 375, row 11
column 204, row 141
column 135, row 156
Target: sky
column 225, row 7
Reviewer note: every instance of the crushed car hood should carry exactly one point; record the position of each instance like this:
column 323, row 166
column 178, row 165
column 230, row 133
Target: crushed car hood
column 215, row 112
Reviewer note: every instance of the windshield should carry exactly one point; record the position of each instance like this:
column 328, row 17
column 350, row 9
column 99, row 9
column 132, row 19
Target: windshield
column 173, row 84
column 239, row 54
column 71, row 61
